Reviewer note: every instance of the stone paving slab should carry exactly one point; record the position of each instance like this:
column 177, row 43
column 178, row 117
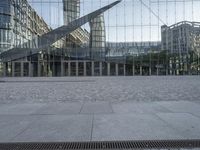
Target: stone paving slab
column 186, row 124
column 13, row 125
column 19, row 109
column 124, row 123
column 96, row 108
column 58, row 128
column 138, row 108
column 60, row 108
column 181, row 107
column 131, row 127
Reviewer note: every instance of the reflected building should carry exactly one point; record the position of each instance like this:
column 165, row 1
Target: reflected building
column 97, row 38
column 22, row 27
column 71, row 10
column 80, row 37
column 19, row 24
column 132, row 48
column 181, row 41
column 180, row 37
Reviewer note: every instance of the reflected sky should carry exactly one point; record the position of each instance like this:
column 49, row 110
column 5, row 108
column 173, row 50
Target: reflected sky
column 131, row 20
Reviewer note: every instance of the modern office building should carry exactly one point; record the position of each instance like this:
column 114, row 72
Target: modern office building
column 31, row 56
column 19, row 24
column 71, row 11
column 180, row 37
column 98, row 38
column 181, row 42
column 132, row 48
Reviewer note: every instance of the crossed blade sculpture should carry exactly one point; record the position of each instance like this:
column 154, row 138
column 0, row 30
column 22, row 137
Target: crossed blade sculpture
column 43, row 42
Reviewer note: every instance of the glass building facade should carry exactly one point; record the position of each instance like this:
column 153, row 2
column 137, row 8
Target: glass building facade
column 71, row 10
column 6, row 24
column 180, row 37
column 80, row 37
column 97, row 38
column 156, row 37
column 181, row 43
column 19, row 24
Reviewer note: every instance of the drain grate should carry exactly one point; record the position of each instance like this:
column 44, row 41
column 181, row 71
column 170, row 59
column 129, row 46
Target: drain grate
column 162, row 144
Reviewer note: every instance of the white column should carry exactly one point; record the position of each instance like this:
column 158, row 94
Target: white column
column 49, row 73
column 4, row 69
column 92, row 68
column 45, row 69
column 100, row 68
column 170, row 67
column 62, row 68
column 133, row 69
column 116, row 69
column 22, row 69
column 108, row 69
column 69, row 68
column 141, row 70
column 150, row 70
column 124, row 70
column 84, row 68
column 77, row 70
column 30, row 70
column 177, row 72
column 13, row 69
column 157, row 71
column 54, row 69
column 39, row 69
column 167, row 70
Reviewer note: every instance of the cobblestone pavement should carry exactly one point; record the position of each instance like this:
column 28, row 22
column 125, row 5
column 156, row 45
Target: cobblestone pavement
column 109, row 89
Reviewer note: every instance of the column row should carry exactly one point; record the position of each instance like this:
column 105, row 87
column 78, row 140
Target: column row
column 17, row 69
column 67, row 68
column 91, row 68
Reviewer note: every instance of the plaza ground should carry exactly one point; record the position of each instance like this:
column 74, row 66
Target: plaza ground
column 99, row 108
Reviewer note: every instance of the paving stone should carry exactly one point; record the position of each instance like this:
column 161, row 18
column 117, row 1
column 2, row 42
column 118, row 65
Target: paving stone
column 60, row 108
column 131, row 127
column 181, row 106
column 19, row 109
column 96, row 108
column 138, row 108
column 12, row 125
column 58, row 128
column 187, row 124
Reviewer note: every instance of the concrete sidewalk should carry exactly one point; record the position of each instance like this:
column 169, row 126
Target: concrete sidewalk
column 99, row 121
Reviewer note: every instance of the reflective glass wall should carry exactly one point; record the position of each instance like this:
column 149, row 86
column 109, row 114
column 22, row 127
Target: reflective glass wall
column 162, row 36
column 6, row 22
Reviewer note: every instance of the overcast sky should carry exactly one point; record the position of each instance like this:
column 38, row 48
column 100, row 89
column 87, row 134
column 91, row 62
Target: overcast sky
column 131, row 20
